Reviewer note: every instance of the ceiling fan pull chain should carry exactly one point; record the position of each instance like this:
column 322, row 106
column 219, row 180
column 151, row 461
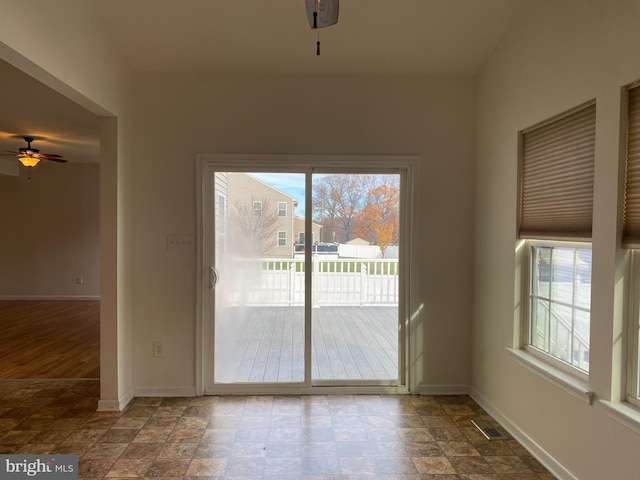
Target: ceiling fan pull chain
column 315, row 19
column 318, row 47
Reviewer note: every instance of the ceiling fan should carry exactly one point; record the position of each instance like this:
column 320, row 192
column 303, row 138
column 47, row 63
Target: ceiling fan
column 30, row 157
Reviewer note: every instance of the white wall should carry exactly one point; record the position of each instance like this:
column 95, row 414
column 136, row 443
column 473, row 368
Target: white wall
column 559, row 55
column 177, row 116
column 51, row 226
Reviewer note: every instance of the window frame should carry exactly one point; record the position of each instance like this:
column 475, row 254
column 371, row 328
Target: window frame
column 280, row 209
column 525, row 340
column 257, row 212
column 284, row 238
column 633, row 333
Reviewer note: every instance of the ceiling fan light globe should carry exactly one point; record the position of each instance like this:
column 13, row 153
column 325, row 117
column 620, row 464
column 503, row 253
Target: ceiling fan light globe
column 29, row 161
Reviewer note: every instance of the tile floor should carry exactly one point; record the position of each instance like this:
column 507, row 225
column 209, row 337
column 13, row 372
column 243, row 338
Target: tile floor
column 251, row 437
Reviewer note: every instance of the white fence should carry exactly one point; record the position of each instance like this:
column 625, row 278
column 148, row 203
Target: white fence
column 334, row 282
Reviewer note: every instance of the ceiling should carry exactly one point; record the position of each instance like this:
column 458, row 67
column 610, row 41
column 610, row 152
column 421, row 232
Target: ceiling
column 372, row 37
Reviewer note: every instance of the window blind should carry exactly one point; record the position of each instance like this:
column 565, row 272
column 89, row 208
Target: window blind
column 556, row 189
column 631, row 230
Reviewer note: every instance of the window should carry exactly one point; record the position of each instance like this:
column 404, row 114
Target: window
column 257, row 209
column 282, row 209
column 556, row 205
column 282, row 239
column 560, row 302
column 631, row 239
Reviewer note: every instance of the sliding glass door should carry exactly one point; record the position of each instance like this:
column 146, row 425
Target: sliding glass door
column 302, row 280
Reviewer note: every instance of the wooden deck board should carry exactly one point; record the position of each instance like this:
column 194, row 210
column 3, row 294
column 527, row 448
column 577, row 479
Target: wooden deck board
column 348, row 343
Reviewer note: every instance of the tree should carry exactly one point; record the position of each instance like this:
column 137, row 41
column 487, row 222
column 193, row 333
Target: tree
column 252, row 229
column 379, row 220
column 337, row 202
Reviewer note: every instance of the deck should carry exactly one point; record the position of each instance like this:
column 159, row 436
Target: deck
column 266, row 344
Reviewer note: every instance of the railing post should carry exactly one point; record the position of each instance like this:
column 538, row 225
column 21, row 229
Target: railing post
column 363, row 283
column 315, row 280
column 292, row 283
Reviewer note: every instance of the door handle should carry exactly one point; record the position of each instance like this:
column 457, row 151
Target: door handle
column 213, row 277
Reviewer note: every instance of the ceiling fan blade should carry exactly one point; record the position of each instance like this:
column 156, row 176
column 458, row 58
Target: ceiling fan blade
column 48, row 157
column 9, row 152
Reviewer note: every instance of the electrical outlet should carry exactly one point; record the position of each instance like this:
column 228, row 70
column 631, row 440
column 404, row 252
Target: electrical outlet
column 79, row 280
column 158, row 349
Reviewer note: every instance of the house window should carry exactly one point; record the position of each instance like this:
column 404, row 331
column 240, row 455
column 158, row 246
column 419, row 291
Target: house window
column 257, row 209
column 282, row 239
column 556, row 205
column 560, row 302
column 631, row 240
column 282, row 209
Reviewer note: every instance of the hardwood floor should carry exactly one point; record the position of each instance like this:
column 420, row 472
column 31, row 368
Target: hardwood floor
column 47, row 339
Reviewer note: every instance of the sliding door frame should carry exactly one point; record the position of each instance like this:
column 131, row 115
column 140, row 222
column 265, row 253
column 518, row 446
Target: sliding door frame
column 408, row 308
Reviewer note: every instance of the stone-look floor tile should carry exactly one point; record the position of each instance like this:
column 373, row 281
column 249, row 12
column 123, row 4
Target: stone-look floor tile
column 508, row 464
column 167, row 467
column 129, row 423
column 142, row 450
column 283, row 467
column 83, row 436
column 357, row 466
column 187, row 435
column 38, row 448
column 321, row 466
column 106, row 450
column 386, row 466
column 458, row 449
column 152, row 435
column 433, row 465
column 415, row 434
column 245, row 467
column 178, row 450
column 94, row 468
column 126, row 468
column 471, row 465
column 207, row 467
column 424, row 449
column 448, row 435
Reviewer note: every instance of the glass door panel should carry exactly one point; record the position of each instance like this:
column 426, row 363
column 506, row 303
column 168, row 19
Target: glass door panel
column 355, row 278
column 259, row 327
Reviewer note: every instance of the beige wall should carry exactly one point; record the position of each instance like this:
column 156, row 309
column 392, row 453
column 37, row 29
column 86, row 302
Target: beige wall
column 559, row 55
column 177, row 116
column 51, row 226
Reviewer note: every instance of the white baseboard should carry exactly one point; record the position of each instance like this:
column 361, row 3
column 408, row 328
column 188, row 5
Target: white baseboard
column 115, row 405
column 49, row 297
column 443, row 390
column 165, row 392
column 525, row 440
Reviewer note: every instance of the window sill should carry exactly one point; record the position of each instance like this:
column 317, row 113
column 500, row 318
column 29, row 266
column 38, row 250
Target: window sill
column 570, row 384
column 624, row 413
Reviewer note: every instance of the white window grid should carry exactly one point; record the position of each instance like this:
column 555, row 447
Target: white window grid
column 559, row 299
column 282, row 209
column 282, row 239
column 257, row 209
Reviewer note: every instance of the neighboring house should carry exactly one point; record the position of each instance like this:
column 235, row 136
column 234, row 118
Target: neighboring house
column 298, row 228
column 246, row 195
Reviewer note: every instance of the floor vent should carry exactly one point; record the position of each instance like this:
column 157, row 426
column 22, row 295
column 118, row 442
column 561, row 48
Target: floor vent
column 488, row 430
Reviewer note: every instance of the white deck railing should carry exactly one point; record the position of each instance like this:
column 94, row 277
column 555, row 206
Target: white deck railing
column 269, row 281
